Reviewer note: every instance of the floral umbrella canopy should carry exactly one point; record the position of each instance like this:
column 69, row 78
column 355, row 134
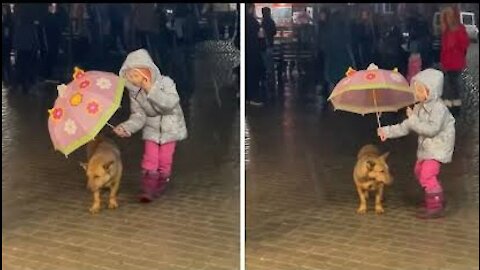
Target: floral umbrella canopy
column 83, row 108
column 372, row 91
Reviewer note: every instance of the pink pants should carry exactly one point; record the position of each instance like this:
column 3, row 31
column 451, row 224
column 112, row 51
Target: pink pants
column 426, row 172
column 158, row 157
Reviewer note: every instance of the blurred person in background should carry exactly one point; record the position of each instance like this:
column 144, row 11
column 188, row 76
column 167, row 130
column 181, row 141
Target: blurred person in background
column 7, row 40
column 454, row 47
column 25, row 44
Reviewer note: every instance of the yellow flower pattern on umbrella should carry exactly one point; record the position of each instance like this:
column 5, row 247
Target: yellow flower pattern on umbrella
column 76, row 99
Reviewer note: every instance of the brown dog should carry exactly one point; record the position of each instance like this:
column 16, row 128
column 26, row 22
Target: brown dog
column 371, row 173
column 103, row 170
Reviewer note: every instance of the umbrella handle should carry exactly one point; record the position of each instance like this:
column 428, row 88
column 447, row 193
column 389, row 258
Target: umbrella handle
column 376, row 112
column 378, row 119
column 110, row 125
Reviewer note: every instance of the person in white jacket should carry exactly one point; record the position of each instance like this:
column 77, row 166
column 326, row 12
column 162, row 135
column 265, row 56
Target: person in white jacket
column 155, row 108
column 435, row 125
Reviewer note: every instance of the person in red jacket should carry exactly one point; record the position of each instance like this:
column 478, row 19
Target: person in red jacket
column 453, row 54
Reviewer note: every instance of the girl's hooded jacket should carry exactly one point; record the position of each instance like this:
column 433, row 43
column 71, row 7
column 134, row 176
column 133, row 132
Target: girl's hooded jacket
column 157, row 112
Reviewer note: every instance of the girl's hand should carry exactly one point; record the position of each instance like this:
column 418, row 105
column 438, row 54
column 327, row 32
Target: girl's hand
column 121, row 132
column 409, row 112
column 381, row 134
column 146, row 85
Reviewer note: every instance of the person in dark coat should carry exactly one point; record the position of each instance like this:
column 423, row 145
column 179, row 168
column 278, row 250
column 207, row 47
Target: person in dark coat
column 25, row 44
column 321, row 83
column 164, row 40
column 54, row 25
column 392, row 54
column 7, row 35
column 254, row 65
column 364, row 37
column 421, row 38
column 338, row 51
column 270, row 30
column 118, row 12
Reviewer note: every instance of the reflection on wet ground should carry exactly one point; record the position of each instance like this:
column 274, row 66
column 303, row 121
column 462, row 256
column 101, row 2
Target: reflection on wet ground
column 301, row 200
column 45, row 219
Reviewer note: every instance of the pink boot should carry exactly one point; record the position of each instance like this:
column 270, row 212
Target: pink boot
column 162, row 183
column 434, row 206
column 149, row 186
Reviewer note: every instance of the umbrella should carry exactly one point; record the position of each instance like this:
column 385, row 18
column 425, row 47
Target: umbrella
column 372, row 91
column 83, row 108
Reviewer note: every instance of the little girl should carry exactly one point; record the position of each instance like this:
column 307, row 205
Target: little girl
column 435, row 125
column 155, row 108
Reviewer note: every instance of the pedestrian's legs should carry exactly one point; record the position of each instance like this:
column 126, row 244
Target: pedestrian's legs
column 150, row 172
column 264, row 59
column 52, row 55
column 165, row 159
column 428, row 171
column 453, row 88
column 214, row 24
column 253, row 89
column 150, row 156
column 6, row 65
column 269, row 64
column 24, row 73
column 434, row 199
column 152, row 46
column 457, row 87
column 142, row 38
column 321, row 84
column 121, row 35
column 117, row 34
column 249, row 88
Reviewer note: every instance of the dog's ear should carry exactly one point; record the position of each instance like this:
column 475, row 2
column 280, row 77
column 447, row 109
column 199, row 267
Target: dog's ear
column 84, row 165
column 370, row 164
column 107, row 166
column 385, row 155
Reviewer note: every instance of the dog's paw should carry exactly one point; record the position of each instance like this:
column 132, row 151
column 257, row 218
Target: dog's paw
column 379, row 210
column 362, row 210
column 112, row 204
column 95, row 209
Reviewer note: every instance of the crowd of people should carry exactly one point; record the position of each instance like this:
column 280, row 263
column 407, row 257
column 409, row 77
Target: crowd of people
column 87, row 33
column 346, row 39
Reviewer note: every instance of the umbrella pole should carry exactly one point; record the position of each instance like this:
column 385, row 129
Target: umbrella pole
column 376, row 112
column 378, row 119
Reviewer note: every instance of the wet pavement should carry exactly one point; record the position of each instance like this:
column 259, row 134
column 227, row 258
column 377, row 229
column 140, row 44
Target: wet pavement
column 301, row 199
column 195, row 225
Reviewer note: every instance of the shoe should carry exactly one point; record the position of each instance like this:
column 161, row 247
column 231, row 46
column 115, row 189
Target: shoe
column 255, row 103
column 162, row 183
column 149, row 186
column 433, row 208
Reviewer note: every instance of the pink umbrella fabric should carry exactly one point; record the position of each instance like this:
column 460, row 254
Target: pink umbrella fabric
column 372, row 91
column 83, row 107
